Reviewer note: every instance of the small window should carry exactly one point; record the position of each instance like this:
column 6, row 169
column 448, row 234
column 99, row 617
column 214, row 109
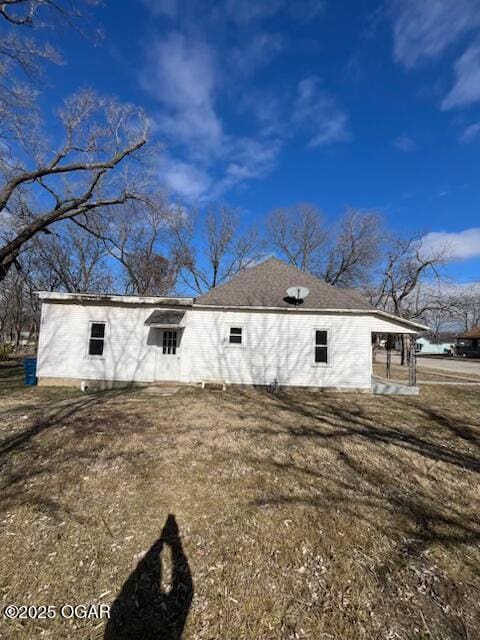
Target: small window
column 235, row 335
column 321, row 347
column 96, row 341
column 170, row 342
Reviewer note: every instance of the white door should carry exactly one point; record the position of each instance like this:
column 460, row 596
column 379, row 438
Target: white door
column 168, row 361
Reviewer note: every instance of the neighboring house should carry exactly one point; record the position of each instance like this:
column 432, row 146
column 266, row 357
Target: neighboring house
column 468, row 344
column 442, row 344
column 246, row 331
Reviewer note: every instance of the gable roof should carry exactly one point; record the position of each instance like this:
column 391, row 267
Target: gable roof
column 266, row 284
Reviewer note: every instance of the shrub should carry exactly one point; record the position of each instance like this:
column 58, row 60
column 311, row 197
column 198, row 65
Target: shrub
column 5, row 351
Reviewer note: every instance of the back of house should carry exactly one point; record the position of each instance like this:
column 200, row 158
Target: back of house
column 246, row 331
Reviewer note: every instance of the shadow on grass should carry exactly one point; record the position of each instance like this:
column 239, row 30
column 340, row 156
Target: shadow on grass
column 372, row 473
column 67, row 433
column 61, row 414
column 11, row 375
column 144, row 609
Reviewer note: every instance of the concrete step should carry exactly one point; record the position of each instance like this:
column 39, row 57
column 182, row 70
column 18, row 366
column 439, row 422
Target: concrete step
column 386, row 387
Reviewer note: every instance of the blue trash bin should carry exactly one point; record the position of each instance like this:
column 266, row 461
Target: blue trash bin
column 30, row 371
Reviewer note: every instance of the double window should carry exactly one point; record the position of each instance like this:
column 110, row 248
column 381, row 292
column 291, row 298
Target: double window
column 96, row 340
column 235, row 335
column 321, row 346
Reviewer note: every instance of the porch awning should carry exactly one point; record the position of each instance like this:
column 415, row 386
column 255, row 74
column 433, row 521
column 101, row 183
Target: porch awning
column 165, row 319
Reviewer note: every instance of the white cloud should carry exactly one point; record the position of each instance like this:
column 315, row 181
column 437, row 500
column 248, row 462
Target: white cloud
column 204, row 160
column 181, row 75
column 456, row 246
column 471, row 132
column 423, row 29
column 404, row 143
column 317, row 111
column 167, row 7
column 184, row 179
column 466, row 89
column 250, row 159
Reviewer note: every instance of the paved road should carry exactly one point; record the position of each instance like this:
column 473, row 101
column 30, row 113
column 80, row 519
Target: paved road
column 449, row 365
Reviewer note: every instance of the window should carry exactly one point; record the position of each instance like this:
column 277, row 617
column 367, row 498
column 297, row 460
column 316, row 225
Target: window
column 321, row 347
column 235, row 336
column 96, row 340
column 170, row 342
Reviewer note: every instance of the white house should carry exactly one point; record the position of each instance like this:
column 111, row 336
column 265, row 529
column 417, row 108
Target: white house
column 247, row 331
column 425, row 345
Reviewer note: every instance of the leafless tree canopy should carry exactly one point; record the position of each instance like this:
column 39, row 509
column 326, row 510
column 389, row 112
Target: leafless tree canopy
column 71, row 260
column 405, row 267
column 343, row 256
column 298, row 233
column 354, row 251
column 139, row 238
column 465, row 305
column 82, row 175
column 211, row 249
column 23, row 57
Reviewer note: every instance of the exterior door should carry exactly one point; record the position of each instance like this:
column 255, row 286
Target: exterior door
column 168, row 362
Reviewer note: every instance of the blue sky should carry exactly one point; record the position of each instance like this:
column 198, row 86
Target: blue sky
column 262, row 104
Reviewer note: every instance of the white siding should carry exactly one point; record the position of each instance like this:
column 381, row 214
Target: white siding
column 280, row 345
column 276, row 345
column 63, row 342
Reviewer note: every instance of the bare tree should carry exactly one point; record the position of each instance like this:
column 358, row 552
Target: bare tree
column 437, row 318
column 465, row 306
column 354, row 250
column 72, row 260
column 219, row 252
column 343, row 256
column 399, row 289
column 404, row 269
column 18, row 307
column 23, row 57
column 139, row 237
column 298, row 234
column 81, row 176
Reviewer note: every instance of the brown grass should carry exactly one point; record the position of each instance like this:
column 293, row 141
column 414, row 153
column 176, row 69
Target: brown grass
column 304, row 515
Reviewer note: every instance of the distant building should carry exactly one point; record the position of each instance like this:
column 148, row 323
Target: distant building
column 443, row 343
column 468, row 344
column 429, row 344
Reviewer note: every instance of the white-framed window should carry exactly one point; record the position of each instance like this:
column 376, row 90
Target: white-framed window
column 169, row 344
column 321, row 346
column 235, row 335
column 96, row 339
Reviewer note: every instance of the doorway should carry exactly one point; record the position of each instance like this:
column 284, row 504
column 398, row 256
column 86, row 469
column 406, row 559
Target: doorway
column 168, row 361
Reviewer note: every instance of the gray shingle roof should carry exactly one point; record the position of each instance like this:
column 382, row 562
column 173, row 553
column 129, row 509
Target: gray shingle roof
column 165, row 318
column 266, row 284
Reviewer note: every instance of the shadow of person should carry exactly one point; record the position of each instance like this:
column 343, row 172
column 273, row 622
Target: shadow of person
column 143, row 610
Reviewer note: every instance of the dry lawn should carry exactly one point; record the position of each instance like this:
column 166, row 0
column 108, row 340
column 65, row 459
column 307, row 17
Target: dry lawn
column 302, row 515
